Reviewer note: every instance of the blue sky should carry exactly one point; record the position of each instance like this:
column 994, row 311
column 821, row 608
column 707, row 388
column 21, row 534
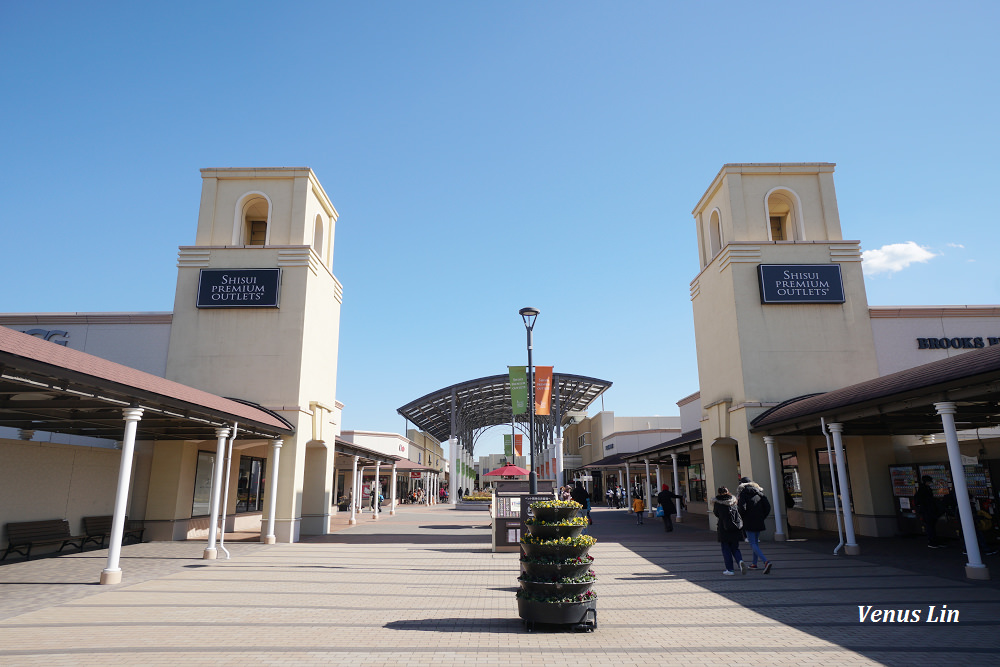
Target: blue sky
column 486, row 156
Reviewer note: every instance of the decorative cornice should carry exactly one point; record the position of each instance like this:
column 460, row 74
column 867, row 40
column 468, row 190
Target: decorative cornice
column 738, row 254
column 932, row 311
column 845, row 251
column 16, row 319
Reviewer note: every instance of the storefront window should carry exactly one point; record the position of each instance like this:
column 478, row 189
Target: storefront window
column 696, row 482
column 790, row 475
column 202, row 502
column 250, row 488
column 827, row 484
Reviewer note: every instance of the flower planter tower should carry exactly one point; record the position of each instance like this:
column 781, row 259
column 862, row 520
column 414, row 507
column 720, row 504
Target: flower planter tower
column 556, row 578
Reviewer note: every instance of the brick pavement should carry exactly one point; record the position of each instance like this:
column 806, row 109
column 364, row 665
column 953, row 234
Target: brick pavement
column 423, row 588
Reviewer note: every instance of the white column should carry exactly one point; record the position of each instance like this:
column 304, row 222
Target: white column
column 677, row 486
column 377, row 490
column 649, row 499
column 272, row 493
column 560, row 468
column 974, row 569
column 453, row 473
column 659, row 481
column 776, row 502
column 336, row 486
column 851, row 548
column 211, row 553
column 392, row 502
column 627, row 489
column 354, row 492
column 112, row 574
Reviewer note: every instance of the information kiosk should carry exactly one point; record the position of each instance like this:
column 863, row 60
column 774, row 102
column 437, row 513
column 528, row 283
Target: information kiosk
column 510, row 510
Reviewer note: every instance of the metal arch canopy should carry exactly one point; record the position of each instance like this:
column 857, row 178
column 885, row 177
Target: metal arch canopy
column 485, row 402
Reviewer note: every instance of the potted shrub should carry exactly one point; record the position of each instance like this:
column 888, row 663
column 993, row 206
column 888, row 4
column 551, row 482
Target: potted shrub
column 556, row 579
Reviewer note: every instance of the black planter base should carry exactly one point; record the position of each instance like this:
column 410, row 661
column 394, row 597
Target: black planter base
column 578, row 616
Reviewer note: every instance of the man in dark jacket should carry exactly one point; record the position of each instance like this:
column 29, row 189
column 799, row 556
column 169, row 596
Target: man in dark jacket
column 730, row 529
column 928, row 509
column 580, row 495
column 666, row 499
column 754, row 508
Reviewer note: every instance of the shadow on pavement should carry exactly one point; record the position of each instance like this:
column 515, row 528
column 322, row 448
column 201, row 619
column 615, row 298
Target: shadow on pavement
column 819, row 593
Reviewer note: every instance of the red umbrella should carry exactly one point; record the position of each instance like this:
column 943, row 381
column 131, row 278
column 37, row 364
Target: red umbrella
column 508, row 470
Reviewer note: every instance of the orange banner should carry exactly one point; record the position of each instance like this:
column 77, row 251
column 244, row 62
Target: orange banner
column 543, row 389
column 517, row 445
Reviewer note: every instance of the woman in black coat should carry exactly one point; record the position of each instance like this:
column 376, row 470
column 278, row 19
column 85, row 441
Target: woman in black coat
column 730, row 530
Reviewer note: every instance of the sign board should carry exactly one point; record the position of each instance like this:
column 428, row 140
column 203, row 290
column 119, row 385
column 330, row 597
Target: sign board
column 800, row 283
column 683, row 460
column 238, row 288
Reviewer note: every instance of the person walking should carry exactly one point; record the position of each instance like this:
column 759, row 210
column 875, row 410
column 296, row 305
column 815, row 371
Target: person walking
column 638, row 506
column 374, row 497
column 730, row 530
column 580, row 495
column 928, row 509
column 665, row 498
column 754, row 507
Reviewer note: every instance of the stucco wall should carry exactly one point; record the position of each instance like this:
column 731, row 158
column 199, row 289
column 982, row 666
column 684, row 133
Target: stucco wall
column 77, row 482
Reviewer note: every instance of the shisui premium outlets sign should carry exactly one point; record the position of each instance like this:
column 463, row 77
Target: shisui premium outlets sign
column 239, row 288
column 800, row 283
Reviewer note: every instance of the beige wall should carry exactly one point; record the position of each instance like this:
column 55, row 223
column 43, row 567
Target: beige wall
column 78, row 481
column 896, row 330
column 282, row 358
column 751, row 355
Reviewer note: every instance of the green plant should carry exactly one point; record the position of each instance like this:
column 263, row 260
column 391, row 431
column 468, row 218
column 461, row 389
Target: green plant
column 551, row 504
column 570, row 599
column 591, row 576
column 581, row 541
column 576, row 521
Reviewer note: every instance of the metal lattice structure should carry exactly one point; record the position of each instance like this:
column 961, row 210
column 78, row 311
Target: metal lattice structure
column 467, row 409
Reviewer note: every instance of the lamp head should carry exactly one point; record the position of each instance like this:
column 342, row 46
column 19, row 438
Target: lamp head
column 528, row 315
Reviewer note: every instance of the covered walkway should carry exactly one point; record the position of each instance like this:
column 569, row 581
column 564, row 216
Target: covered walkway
column 423, row 587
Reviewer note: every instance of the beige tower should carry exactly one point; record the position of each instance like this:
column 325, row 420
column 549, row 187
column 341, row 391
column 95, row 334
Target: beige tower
column 780, row 308
column 257, row 317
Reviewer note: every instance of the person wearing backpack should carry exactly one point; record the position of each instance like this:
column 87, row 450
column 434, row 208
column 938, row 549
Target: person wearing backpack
column 730, row 529
column 753, row 507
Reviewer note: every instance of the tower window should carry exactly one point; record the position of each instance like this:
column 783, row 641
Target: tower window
column 778, row 228
column 258, row 232
column 715, row 233
column 784, row 218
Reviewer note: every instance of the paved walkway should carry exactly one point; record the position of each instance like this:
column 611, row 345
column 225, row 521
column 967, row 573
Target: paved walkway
column 424, row 588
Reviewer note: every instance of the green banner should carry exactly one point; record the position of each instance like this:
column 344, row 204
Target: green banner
column 508, row 446
column 519, row 389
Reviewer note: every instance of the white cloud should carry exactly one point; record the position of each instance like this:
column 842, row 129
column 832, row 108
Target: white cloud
column 955, row 245
column 893, row 257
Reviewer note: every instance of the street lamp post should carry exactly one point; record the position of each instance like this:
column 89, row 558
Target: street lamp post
column 529, row 315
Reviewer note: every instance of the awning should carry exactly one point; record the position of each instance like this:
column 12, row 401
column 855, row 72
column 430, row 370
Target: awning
column 901, row 403
column 53, row 388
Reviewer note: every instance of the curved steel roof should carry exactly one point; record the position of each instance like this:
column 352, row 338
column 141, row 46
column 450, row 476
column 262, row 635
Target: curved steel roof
column 486, row 402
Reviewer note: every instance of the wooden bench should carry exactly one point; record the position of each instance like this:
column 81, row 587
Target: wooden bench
column 24, row 535
column 98, row 529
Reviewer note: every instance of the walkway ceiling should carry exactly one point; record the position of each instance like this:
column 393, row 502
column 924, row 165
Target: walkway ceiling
column 901, row 403
column 49, row 387
column 486, row 402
